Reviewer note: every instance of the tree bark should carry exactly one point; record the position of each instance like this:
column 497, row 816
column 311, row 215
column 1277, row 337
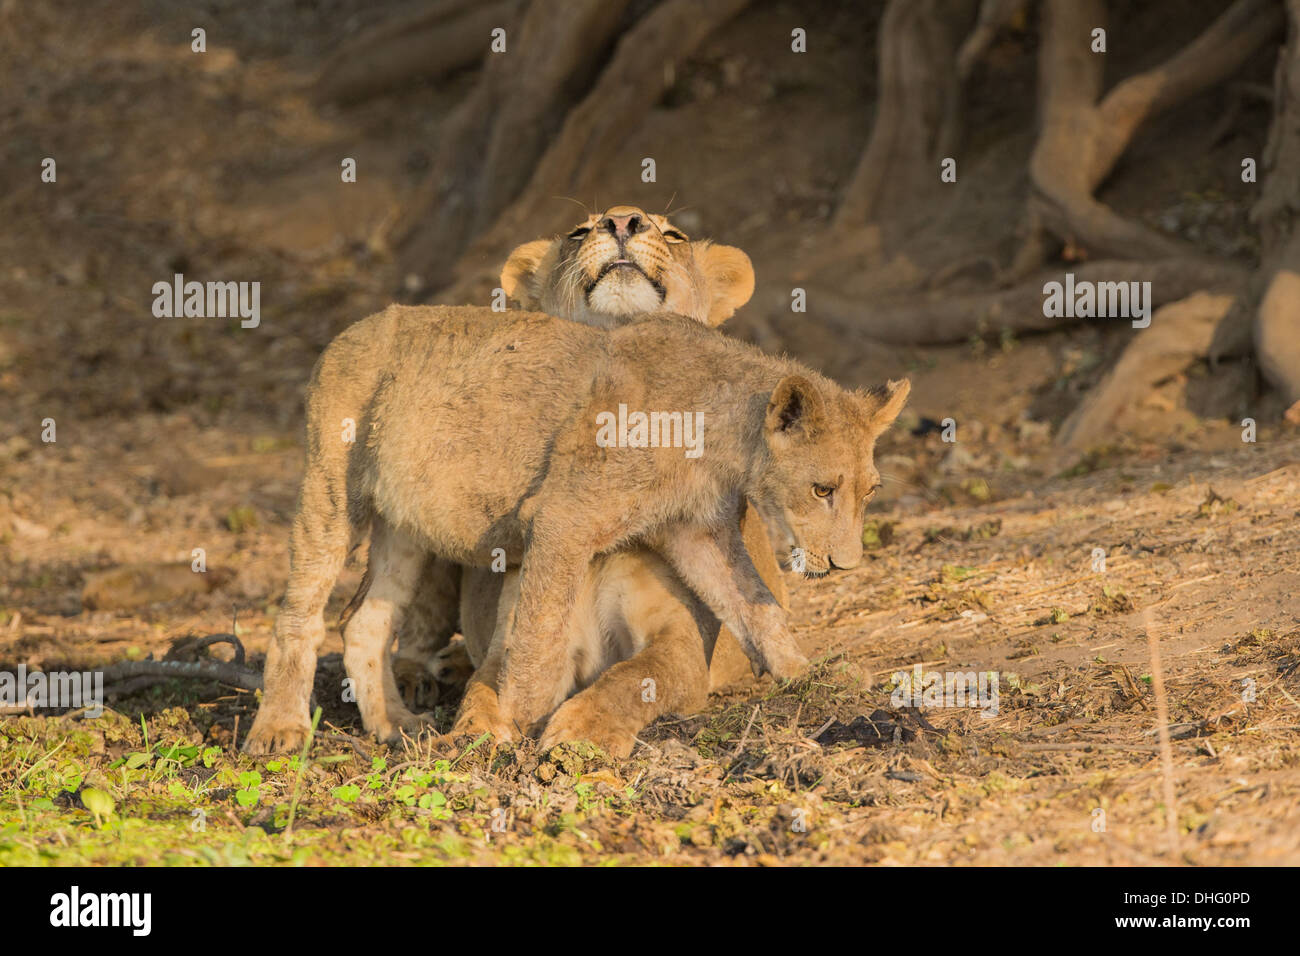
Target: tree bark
column 1277, row 319
column 1081, row 139
column 597, row 128
column 427, row 44
column 492, row 141
column 994, row 15
column 918, row 109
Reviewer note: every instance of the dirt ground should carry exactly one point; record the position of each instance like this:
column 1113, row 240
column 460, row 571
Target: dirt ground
column 179, row 434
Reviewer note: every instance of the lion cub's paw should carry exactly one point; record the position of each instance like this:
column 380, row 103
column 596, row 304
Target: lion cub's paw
column 577, row 720
column 451, row 665
column 787, row 666
column 270, row 736
column 416, row 685
column 412, row 725
column 475, row 722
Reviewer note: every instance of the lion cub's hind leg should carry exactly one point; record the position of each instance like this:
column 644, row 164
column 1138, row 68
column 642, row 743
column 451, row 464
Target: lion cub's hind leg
column 427, row 626
column 663, row 670
column 480, row 708
column 319, row 542
column 396, row 561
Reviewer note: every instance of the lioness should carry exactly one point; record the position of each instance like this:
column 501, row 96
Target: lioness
column 481, row 434
column 607, row 269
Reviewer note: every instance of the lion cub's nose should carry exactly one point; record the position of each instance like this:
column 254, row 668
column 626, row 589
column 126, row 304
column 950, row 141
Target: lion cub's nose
column 623, row 227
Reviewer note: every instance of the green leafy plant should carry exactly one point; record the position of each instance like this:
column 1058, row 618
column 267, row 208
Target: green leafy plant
column 99, row 803
column 250, row 788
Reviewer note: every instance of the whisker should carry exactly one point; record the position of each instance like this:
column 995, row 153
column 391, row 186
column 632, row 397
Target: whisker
column 926, row 492
column 576, row 202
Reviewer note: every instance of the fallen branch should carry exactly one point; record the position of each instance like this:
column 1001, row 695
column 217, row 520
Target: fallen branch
column 139, row 674
column 225, row 672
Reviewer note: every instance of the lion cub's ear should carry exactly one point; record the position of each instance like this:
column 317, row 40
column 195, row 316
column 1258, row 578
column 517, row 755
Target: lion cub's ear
column 887, row 401
column 729, row 276
column 521, row 268
column 796, row 410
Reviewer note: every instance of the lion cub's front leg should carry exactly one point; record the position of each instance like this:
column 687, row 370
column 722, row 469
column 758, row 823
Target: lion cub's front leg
column 717, row 567
column 667, row 673
column 536, row 663
column 480, row 708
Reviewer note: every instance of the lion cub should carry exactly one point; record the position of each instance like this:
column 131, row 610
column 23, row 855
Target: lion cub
column 610, row 267
column 480, row 435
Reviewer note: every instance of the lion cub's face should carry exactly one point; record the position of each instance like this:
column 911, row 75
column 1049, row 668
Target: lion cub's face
column 626, row 262
column 821, row 471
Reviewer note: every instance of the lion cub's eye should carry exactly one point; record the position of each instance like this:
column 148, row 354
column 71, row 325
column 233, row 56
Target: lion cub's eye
column 871, row 493
column 672, row 235
column 579, row 232
column 823, row 491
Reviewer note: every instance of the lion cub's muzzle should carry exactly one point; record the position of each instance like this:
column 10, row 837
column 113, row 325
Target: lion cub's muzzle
column 624, row 269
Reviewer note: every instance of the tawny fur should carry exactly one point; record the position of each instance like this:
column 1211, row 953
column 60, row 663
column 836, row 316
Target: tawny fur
column 575, row 276
column 476, row 432
column 639, row 646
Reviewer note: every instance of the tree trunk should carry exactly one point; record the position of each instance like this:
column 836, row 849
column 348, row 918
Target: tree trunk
column 597, row 128
column 428, row 44
column 1277, row 320
column 491, row 142
column 918, row 109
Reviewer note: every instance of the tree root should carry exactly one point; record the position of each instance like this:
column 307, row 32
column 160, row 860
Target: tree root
column 1179, row 335
column 597, row 128
column 918, row 114
column 938, row 318
column 428, row 44
column 1082, row 139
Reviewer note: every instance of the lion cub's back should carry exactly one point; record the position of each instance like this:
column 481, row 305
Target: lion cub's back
column 465, row 411
column 480, row 368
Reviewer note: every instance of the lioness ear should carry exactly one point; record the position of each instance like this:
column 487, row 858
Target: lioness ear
column 795, row 409
column 889, row 400
column 520, row 269
column 730, row 278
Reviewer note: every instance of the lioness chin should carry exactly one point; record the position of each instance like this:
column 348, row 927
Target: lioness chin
column 481, row 436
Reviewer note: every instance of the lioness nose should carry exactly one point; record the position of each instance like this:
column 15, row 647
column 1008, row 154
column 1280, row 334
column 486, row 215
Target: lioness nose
column 621, row 227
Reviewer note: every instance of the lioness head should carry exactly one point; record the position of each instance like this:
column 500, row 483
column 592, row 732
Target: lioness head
column 625, row 262
column 820, row 471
